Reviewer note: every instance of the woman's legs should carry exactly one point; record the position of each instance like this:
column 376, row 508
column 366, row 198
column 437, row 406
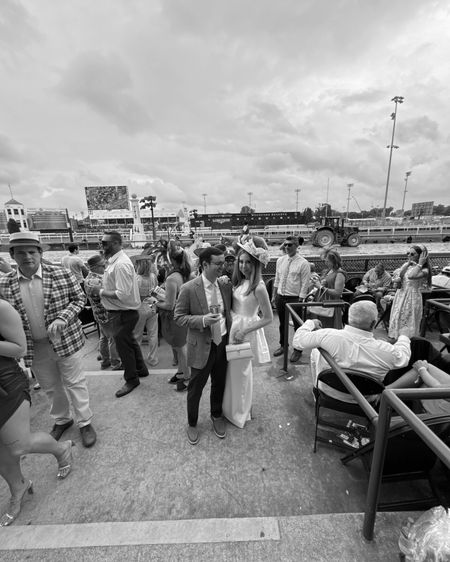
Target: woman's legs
column 182, row 362
column 16, row 440
column 152, row 337
column 17, row 437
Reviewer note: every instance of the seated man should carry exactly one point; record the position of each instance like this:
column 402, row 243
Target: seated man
column 376, row 282
column 443, row 279
column 353, row 347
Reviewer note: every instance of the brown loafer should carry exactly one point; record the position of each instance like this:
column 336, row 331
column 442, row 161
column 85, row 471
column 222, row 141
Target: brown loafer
column 88, row 435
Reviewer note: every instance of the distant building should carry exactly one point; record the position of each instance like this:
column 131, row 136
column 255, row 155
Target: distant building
column 15, row 210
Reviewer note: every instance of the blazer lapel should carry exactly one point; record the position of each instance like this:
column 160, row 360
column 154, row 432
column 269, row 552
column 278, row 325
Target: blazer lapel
column 47, row 282
column 200, row 292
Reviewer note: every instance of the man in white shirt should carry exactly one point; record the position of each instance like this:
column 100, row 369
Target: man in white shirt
column 353, row 347
column 291, row 285
column 443, row 279
column 120, row 297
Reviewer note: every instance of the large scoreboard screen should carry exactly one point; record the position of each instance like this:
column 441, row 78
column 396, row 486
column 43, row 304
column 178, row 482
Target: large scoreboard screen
column 107, row 197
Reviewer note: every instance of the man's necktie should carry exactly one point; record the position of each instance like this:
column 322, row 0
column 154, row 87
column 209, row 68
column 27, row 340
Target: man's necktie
column 215, row 328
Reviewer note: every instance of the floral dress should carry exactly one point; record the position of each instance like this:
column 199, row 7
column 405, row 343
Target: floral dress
column 407, row 307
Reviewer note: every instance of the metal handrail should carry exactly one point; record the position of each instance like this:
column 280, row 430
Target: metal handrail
column 391, row 399
column 292, row 308
column 360, row 399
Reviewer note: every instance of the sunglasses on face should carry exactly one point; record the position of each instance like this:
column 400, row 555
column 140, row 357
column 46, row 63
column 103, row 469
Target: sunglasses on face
column 288, row 244
column 411, row 254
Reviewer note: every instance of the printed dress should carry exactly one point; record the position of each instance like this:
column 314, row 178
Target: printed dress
column 407, row 307
column 237, row 400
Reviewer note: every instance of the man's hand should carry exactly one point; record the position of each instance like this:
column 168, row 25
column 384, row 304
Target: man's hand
column 56, row 328
column 317, row 324
column 210, row 319
column 5, row 267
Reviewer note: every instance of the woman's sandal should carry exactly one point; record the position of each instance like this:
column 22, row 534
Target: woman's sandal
column 15, row 506
column 65, row 461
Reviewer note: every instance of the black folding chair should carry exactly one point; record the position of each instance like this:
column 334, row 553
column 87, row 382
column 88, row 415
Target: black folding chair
column 369, row 386
column 88, row 322
column 407, row 458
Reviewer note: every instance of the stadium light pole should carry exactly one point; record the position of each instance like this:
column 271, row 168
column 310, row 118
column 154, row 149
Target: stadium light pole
column 204, row 202
column 297, row 191
column 396, row 100
column 349, row 185
column 407, row 174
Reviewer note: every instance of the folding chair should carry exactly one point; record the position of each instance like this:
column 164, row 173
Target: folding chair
column 88, row 322
column 369, row 386
column 407, row 458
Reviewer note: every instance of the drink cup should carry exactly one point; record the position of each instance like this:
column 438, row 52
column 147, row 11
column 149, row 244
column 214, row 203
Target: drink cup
column 214, row 309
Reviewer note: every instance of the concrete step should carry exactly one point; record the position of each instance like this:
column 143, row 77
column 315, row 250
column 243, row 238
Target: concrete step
column 311, row 538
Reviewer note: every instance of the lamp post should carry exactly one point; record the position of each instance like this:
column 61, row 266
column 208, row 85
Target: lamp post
column 250, row 193
column 204, row 202
column 404, row 192
column 145, row 203
column 349, row 185
column 297, row 191
column 396, row 100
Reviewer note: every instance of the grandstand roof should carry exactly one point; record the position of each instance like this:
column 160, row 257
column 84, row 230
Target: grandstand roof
column 13, row 202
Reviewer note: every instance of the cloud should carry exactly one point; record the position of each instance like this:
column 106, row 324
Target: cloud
column 103, row 83
column 419, row 128
column 17, row 32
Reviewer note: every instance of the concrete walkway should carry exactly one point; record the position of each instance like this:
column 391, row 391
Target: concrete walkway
column 143, row 493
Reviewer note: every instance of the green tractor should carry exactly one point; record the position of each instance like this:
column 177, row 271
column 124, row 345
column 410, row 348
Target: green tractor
column 333, row 231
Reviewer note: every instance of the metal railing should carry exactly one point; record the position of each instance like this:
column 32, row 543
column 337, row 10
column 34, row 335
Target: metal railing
column 392, row 399
column 291, row 309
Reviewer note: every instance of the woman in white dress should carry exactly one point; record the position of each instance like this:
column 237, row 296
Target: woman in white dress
column 251, row 311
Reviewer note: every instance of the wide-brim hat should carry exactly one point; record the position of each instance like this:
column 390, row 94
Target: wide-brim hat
column 26, row 238
column 257, row 248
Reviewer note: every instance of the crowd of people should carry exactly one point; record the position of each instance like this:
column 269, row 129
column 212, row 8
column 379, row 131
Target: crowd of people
column 208, row 305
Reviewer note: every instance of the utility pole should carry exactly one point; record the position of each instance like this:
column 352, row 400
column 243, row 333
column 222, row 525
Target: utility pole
column 404, row 192
column 297, row 191
column 349, row 185
column 250, row 193
column 396, row 100
column 204, row 202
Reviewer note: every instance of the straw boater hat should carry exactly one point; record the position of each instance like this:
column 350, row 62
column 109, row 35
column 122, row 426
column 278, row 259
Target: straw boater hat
column 25, row 239
column 256, row 247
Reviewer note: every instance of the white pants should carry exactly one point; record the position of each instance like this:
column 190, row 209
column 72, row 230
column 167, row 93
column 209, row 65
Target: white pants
column 62, row 378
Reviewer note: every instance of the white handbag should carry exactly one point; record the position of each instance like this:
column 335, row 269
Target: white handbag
column 239, row 351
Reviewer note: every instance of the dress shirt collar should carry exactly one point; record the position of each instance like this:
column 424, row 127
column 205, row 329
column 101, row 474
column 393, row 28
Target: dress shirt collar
column 115, row 257
column 358, row 332
column 38, row 273
column 207, row 283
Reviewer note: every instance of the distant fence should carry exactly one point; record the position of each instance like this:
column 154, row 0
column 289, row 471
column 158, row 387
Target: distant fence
column 356, row 266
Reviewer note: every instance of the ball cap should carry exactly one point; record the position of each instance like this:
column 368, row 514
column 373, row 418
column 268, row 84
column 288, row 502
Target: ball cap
column 24, row 239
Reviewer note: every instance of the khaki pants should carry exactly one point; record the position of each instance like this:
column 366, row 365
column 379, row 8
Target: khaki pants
column 62, row 378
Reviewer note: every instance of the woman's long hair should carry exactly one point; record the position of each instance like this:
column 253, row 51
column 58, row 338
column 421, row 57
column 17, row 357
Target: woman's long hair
column 180, row 262
column 145, row 267
column 419, row 248
column 255, row 277
column 335, row 259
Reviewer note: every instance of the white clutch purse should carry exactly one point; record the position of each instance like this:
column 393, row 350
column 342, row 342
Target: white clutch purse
column 239, row 351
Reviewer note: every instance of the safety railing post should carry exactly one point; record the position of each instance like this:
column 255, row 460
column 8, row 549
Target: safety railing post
column 376, row 470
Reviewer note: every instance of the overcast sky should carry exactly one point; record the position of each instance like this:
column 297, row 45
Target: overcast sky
column 180, row 98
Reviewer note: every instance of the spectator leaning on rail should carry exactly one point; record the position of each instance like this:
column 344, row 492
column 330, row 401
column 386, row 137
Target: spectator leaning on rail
column 49, row 299
column 353, row 347
column 292, row 279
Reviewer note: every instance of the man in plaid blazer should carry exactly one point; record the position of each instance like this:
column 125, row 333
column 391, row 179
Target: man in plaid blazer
column 49, row 299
